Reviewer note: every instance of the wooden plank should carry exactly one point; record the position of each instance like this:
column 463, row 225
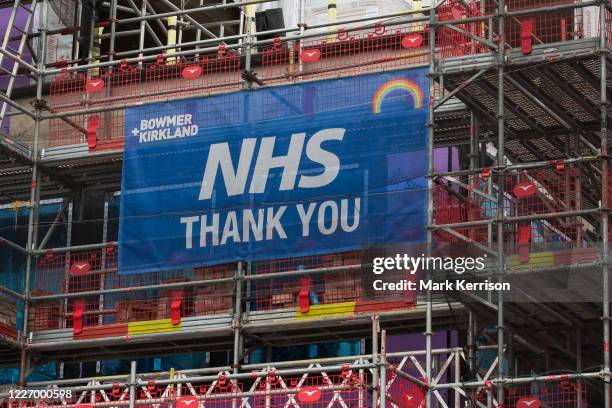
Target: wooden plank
column 536, row 260
column 153, row 326
column 327, row 310
column 109, row 330
column 378, row 306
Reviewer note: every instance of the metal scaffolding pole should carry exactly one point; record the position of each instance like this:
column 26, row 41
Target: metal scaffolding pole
column 603, row 105
column 521, row 380
column 382, row 367
column 375, row 360
column 133, row 384
column 430, row 198
column 32, row 238
column 501, row 162
column 113, row 28
column 141, row 34
column 237, row 323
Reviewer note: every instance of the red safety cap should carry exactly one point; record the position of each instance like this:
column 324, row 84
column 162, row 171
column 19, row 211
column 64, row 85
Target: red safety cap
column 309, row 394
column 80, row 268
column 95, row 85
column 412, row 40
column 187, row 401
column 310, row 55
column 524, row 189
column 191, row 71
column 528, row 402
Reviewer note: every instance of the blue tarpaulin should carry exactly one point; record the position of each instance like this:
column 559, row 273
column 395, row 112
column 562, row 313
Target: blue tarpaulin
column 296, row 170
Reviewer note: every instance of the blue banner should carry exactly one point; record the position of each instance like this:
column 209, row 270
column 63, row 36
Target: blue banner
column 311, row 168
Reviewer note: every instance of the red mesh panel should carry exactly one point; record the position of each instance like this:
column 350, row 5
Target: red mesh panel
column 402, row 393
column 66, row 93
column 52, row 273
column 545, row 191
column 549, row 27
column 451, row 43
column 454, row 205
column 564, row 394
column 395, row 47
column 193, row 76
column 312, row 391
column 129, row 84
column 216, row 395
column 346, row 53
column 328, row 287
column 345, row 284
column 61, row 273
column 280, row 61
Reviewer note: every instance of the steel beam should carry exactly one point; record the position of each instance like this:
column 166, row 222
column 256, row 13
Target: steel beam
column 460, row 87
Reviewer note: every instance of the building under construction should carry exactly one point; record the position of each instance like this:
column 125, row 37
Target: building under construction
column 510, row 117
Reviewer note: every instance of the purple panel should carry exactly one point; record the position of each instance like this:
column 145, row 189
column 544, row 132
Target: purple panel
column 412, row 342
column 441, row 159
column 20, row 21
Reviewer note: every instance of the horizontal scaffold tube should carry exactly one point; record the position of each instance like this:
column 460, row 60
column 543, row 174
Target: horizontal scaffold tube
column 531, row 217
column 131, row 289
column 519, row 380
column 512, row 168
column 272, row 366
column 208, row 397
column 204, row 378
column 216, row 41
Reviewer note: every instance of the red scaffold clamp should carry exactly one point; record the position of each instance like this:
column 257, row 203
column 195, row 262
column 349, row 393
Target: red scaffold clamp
column 77, row 316
column 304, row 295
column 175, row 308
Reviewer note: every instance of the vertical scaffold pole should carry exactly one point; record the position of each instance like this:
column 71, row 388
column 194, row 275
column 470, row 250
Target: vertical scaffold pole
column 470, row 342
column 237, row 323
column 430, row 197
column 113, row 29
column 383, row 369
column 249, row 12
column 32, row 239
column 500, row 196
column 375, row 360
column 132, row 384
column 141, row 35
column 604, row 200
column 457, row 377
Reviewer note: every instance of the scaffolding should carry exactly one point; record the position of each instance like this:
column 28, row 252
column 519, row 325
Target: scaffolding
column 519, row 93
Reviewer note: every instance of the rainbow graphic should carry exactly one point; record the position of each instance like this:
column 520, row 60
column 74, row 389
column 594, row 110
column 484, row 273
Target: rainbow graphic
column 395, row 84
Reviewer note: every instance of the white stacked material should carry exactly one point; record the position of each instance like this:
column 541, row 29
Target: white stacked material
column 587, row 20
column 59, row 46
column 316, row 11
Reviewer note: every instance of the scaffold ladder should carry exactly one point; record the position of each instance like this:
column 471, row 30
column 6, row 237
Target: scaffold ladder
column 24, row 31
